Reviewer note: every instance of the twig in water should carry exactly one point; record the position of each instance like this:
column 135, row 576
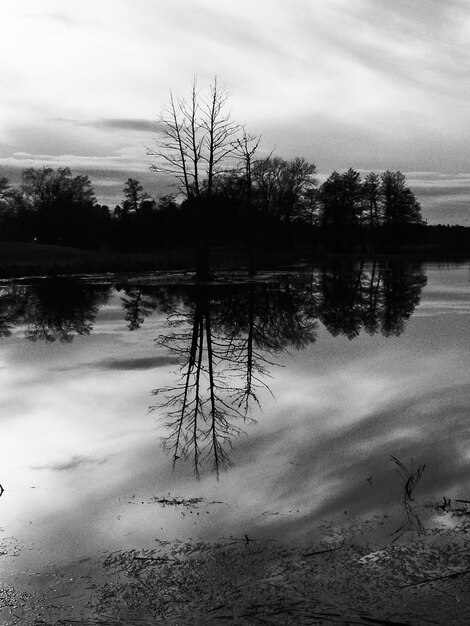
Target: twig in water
column 464, row 510
column 424, row 581
column 446, row 592
column 410, row 478
column 322, row 551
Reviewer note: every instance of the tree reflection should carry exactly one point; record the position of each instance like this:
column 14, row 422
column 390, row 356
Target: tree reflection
column 227, row 338
column 51, row 309
column 12, row 307
column 379, row 299
column 59, row 309
column 224, row 336
column 137, row 304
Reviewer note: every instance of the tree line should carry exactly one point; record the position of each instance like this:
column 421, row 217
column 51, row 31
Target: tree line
column 229, row 194
column 272, row 200
column 55, row 206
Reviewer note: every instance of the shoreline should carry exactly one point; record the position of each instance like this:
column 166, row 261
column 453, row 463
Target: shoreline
column 33, row 260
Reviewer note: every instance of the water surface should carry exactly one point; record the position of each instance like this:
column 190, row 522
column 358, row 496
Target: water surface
column 137, row 408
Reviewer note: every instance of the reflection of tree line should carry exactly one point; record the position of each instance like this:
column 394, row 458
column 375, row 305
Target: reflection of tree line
column 51, row 309
column 224, row 335
column 380, row 299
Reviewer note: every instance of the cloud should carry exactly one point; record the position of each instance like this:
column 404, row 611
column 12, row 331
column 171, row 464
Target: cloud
column 130, row 364
column 454, row 179
column 439, row 191
column 74, row 462
column 145, row 363
column 445, row 198
column 61, row 18
column 25, row 159
column 147, row 126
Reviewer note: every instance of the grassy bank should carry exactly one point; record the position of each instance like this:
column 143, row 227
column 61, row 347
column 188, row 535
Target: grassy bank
column 29, row 259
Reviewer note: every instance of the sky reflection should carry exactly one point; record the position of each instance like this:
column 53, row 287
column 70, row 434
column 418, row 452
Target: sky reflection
column 81, row 456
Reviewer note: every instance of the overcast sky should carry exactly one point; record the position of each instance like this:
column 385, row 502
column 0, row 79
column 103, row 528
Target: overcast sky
column 369, row 84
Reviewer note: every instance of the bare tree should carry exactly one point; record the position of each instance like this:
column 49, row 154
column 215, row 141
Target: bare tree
column 245, row 150
column 174, row 146
column 195, row 138
column 220, row 141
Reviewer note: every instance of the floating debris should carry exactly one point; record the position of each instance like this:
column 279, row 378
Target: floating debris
column 189, row 502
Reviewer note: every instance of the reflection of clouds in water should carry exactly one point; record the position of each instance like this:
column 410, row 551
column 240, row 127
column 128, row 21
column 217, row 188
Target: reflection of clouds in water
column 74, row 462
column 315, row 454
column 307, row 453
column 342, row 408
column 443, row 296
column 443, row 307
column 97, row 444
column 136, row 363
column 459, row 290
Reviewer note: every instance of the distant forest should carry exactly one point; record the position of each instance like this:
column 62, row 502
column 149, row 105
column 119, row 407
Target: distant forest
column 287, row 208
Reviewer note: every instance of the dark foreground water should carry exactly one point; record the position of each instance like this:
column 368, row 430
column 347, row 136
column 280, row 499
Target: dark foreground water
column 138, row 410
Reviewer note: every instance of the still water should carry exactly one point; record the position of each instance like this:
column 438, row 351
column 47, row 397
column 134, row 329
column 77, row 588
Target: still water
column 144, row 407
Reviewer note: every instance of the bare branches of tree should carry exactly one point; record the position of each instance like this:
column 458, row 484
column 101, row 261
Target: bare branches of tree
column 195, row 138
column 221, row 131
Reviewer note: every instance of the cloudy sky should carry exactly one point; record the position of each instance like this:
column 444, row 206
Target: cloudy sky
column 369, row 84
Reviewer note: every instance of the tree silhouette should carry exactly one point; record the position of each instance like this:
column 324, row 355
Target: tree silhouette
column 371, row 194
column 245, row 149
column 282, row 186
column 133, row 195
column 61, row 208
column 194, row 139
column 341, row 196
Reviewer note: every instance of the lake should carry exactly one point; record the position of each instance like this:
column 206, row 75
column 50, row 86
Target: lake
column 293, row 408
